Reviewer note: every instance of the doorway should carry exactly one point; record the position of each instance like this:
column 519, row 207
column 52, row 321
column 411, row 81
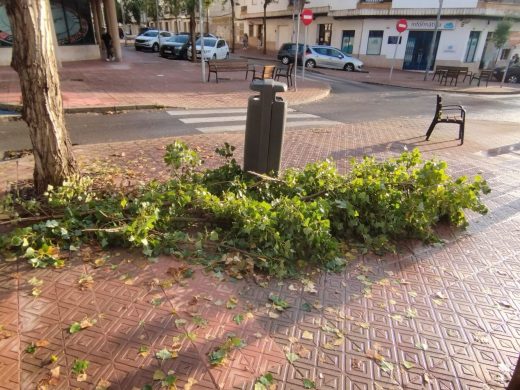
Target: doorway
column 417, row 49
column 489, row 53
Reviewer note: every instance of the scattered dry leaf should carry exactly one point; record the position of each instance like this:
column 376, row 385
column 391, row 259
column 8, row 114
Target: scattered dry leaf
column 42, row 343
column 306, row 335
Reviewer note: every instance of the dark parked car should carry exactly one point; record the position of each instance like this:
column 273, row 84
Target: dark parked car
column 286, row 53
column 512, row 76
column 176, row 46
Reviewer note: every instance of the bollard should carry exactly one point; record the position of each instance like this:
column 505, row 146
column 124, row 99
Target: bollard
column 265, row 125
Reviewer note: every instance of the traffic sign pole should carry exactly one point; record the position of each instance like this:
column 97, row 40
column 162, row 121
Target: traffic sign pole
column 306, row 17
column 303, row 52
column 297, row 50
column 401, row 26
column 395, row 54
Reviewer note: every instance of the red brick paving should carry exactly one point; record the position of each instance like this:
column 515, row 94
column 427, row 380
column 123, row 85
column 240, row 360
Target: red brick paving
column 466, row 291
column 145, row 79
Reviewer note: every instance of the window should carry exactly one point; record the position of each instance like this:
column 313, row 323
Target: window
column 321, row 50
column 324, row 33
column 347, row 45
column 472, row 46
column 72, row 23
column 504, row 55
column 392, row 39
column 251, row 30
column 334, row 53
column 375, row 40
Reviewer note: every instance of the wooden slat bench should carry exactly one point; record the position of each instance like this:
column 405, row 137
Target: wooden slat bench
column 226, row 66
column 451, row 72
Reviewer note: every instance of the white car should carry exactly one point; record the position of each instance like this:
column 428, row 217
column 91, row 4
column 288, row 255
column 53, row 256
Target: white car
column 214, row 49
column 330, row 57
column 151, row 40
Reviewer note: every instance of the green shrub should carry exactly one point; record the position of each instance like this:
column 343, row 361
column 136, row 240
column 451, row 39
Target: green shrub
column 304, row 217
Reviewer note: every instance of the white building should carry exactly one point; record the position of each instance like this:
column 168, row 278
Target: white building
column 367, row 29
column 78, row 27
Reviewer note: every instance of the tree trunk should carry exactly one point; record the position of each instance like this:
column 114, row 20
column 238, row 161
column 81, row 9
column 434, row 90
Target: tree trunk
column 34, row 59
column 233, row 42
column 265, row 28
column 193, row 40
column 514, row 384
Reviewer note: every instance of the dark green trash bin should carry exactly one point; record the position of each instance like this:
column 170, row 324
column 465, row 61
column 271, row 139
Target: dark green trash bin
column 265, row 125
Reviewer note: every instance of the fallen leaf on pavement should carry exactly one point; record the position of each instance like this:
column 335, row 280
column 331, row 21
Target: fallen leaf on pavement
column 232, row 302
column 302, row 352
column 291, row 357
column 42, row 343
column 309, row 286
column 307, row 335
column 158, row 375
column 103, row 384
column 190, row 383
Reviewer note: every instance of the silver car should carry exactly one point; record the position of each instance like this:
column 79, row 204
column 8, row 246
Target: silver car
column 330, row 57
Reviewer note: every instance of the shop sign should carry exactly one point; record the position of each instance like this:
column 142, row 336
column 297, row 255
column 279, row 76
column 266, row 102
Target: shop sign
column 430, row 25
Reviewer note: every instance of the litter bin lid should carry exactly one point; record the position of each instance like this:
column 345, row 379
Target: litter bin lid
column 269, row 84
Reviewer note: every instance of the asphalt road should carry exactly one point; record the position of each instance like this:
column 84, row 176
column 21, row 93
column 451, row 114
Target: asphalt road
column 349, row 102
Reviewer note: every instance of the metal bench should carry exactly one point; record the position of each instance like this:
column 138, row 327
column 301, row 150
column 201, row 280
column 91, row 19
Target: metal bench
column 286, row 72
column 442, row 115
column 226, row 66
column 484, row 75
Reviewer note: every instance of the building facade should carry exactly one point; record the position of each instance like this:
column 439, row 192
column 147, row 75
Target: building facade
column 78, row 27
column 367, row 29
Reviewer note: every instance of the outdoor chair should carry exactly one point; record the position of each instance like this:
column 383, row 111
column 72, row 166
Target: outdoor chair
column 484, row 75
column 286, row 72
column 267, row 73
column 442, row 115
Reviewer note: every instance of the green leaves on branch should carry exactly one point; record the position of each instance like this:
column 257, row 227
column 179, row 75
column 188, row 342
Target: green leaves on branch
column 278, row 225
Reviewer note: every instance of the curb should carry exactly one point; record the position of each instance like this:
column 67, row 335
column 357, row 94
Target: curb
column 79, row 110
column 107, row 109
column 440, row 90
column 425, row 89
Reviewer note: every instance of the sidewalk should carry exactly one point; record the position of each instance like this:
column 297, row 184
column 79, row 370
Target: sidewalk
column 401, row 78
column 442, row 317
column 145, row 80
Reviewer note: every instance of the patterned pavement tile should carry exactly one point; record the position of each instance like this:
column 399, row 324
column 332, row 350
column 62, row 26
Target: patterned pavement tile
column 461, row 299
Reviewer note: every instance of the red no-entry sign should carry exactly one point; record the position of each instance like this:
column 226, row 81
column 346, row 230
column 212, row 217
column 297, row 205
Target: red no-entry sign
column 402, row 25
column 307, row 16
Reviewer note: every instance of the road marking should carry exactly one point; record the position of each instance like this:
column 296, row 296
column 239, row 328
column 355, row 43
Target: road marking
column 215, row 119
column 233, row 128
column 212, row 111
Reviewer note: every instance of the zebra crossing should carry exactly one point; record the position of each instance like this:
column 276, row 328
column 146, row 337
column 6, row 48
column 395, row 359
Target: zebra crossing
column 234, row 119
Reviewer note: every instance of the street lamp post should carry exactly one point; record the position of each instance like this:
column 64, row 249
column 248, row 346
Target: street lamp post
column 432, row 45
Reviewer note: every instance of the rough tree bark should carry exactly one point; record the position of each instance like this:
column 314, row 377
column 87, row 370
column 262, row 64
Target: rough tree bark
column 264, row 38
column 34, row 59
column 233, row 43
column 193, row 33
